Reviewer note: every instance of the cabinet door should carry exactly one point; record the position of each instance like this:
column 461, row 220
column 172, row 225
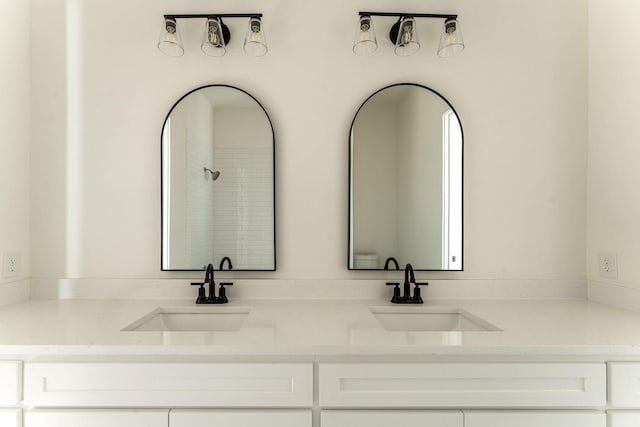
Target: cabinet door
column 534, row 419
column 97, row 418
column 391, row 418
column 624, row 419
column 10, row 418
column 240, row 418
column 11, row 383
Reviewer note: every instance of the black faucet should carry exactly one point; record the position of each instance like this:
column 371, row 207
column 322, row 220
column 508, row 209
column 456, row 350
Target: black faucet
column 409, row 278
column 209, row 280
column 391, row 260
column 407, row 298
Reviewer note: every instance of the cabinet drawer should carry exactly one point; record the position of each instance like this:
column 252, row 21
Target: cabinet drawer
column 463, row 385
column 624, row 385
column 534, row 419
column 623, row 419
column 11, row 418
column 391, row 418
column 97, row 418
column 241, row 418
column 168, row 385
column 10, row 383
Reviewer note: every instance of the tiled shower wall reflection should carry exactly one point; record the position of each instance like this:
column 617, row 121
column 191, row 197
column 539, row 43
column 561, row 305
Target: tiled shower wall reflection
column 243, row 207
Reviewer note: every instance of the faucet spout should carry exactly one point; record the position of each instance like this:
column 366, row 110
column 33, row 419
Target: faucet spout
column 389, row 261
column 228, row 261
column 208, row 278
column 409, row 278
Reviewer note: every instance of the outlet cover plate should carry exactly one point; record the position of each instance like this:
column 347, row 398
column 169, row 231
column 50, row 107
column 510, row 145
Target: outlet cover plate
column 608, row 265
column 11, row 265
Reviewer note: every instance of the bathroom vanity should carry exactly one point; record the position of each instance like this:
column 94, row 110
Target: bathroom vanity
column 333, row 363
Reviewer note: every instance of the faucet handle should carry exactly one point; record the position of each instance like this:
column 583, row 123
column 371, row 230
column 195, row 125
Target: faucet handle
column 222, row 294
column 201, row 292
column 417, row 298
column 396, row 291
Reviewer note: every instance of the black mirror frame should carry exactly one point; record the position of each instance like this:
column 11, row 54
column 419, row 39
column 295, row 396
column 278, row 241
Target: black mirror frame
column 349, row 147
column 273, row 141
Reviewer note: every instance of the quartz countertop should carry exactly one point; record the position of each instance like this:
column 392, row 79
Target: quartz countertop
column 299, row 327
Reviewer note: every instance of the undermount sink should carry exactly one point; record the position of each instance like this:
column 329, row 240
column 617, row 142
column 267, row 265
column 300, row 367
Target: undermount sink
column 185, row 319
column 436, row 319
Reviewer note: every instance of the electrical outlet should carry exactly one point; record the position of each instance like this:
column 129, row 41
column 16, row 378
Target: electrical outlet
column 608, row 265
column 11, row 265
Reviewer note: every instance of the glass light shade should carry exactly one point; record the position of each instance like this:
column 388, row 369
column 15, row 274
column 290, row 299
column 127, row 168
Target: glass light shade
column 170, row 42
column 451, row 41
column 365, row 41
column 407, row 42
column 255, row 42
column 213, row 43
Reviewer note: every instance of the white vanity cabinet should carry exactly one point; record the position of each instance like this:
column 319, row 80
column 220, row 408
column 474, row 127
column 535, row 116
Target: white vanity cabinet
column 391, row 418
column 240, row 418
column 534, row 419
column 96, row 418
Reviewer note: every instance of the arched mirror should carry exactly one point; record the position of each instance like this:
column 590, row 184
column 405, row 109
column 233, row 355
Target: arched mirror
column 405, row 184
column 218, row 182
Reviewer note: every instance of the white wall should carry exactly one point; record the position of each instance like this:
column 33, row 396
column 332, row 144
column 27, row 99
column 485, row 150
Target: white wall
column 420, row 176
column 520, row 93
column 375, row 181
column 614, row 152
column 14, row 143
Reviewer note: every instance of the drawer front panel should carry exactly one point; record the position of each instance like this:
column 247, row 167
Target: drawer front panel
column 624, row 385
column 463, row 385
column 623, row 419
column 392, row 418
column 241, row 418
column 11, row 418
column 10, row 384
column 168, row 385
column 97, row 418
column 534, row 419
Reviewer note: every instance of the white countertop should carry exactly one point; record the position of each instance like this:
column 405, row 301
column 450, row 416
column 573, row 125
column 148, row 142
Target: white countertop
column 319, row 328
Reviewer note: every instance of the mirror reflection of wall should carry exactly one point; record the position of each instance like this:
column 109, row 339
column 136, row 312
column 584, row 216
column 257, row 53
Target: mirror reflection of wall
column 218, row 185
column 406, row 181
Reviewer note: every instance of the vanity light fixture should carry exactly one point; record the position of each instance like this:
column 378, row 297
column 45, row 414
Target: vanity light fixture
column 404, row 34
column 216, row 34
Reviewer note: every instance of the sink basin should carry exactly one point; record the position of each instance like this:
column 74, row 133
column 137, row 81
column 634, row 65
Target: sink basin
column 191, row 319
column 437, row 319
